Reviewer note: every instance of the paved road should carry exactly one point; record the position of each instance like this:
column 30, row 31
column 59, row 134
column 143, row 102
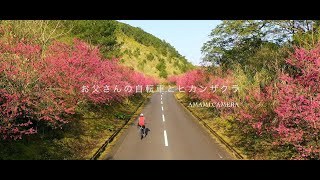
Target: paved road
column 173, row 135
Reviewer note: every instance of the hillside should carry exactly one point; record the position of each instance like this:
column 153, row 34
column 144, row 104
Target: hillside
column 148, row 54
column 136, row 48
column 150, row 59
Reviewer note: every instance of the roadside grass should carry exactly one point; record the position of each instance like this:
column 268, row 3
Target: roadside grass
column 79, row 139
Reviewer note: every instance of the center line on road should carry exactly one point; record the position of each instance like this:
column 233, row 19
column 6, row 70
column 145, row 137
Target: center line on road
column 161, row 98
column 161, row 102
column 163, row 118
column 162, row 108
column 165, row 138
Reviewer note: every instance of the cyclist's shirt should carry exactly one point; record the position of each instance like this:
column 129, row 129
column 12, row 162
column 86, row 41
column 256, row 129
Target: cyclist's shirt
column 141, row 121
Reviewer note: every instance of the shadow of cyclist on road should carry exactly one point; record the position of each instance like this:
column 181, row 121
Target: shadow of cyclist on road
column 147, row 131
column 144, row 132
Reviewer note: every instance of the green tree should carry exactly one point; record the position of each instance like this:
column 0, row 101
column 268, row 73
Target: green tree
column 161, row 66
column 163, row 74
column 233, row 41
column 137, row 52
column 150, row 57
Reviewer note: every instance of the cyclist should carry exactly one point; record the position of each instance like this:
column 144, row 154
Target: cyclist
column 141, row 125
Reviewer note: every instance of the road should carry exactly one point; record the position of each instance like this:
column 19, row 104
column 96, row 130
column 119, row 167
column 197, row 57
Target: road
column 173, row 134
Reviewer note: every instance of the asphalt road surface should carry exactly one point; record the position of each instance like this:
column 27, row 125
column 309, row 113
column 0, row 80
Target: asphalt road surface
column 173, row 134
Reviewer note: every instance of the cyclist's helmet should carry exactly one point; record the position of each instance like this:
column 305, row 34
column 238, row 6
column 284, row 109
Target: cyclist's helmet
column 141, row 114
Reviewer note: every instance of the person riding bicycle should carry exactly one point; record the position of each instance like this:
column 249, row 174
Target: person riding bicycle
column 141, row 121
column 141, row 124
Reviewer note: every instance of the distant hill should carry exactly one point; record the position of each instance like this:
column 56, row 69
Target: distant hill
column 148, row 54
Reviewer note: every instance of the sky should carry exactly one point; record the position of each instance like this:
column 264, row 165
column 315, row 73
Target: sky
column 187, row 36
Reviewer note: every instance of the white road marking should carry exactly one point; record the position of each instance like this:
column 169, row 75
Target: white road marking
column 161, row 98
column 165, row 138
column 163, row 118
column 162, row 108
column 220, row 156
column 161, row 102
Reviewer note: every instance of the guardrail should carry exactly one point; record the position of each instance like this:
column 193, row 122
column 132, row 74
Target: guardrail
column 233, row 150
column 110, row 139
